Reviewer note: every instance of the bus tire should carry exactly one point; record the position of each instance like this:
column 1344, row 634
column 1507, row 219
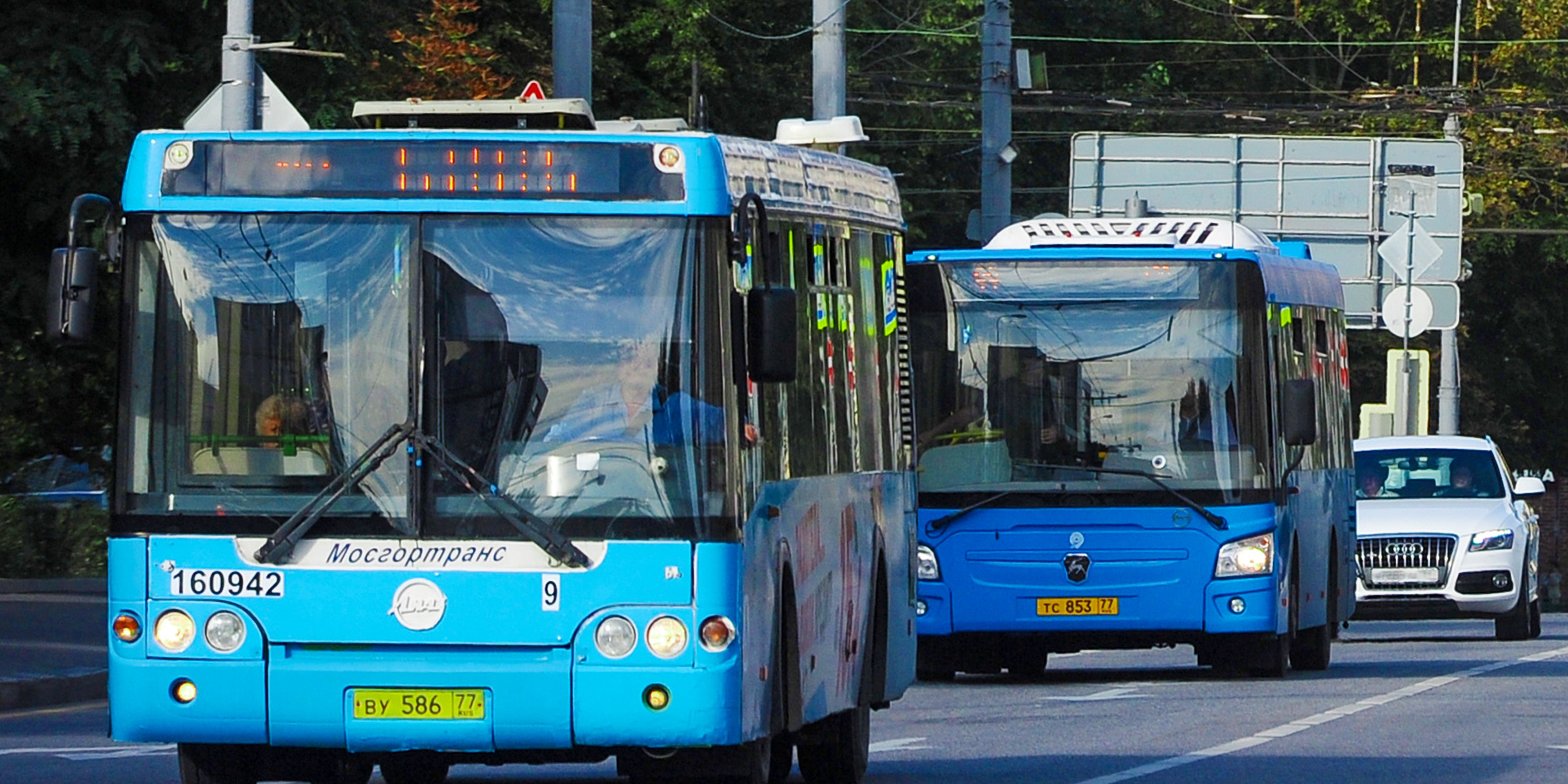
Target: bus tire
column 1314, row 647
column 1535, row 618
column 202, row 763
column 838, row 749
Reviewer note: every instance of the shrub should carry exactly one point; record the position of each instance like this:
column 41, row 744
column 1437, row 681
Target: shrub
column 49, row 541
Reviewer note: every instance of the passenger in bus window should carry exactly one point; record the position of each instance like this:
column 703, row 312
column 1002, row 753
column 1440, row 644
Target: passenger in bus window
column 637, row 407
column 282, row 414
column 1028, row 416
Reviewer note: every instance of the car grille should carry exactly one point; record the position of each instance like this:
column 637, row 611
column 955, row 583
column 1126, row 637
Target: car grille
column 1379, row 557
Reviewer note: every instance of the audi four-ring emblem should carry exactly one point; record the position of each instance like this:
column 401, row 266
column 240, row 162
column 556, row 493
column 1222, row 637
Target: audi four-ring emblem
column 1403, row 548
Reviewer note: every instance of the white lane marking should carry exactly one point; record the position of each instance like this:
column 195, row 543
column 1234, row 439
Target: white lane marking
column 97, row 752
column 1563, row 748
column 898, row 744
column 1099, row 696
column 1290, row 728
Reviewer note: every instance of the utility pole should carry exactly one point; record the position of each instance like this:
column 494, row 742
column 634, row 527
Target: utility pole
column 573, row 49
column 1448, row 339
column 827, row 59
column 996, row 118
column 238, row 96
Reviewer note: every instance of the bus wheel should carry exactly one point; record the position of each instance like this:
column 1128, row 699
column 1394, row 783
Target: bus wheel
column 768, row 761
column 1314, row 647
column 413, row 769
column 838, row 749
column 202, row 763
column 1535, row 618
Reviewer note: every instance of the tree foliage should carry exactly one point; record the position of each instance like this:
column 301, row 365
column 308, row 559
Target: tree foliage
column 77, row 80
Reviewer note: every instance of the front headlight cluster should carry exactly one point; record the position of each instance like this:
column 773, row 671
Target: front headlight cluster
column 175, row 630
column 666, row 636
column 1246, row 557
column 926, row 567
column 1498, row 539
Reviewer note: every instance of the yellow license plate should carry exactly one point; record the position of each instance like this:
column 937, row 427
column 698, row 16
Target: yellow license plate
column 1092, row 605
column 419, row 703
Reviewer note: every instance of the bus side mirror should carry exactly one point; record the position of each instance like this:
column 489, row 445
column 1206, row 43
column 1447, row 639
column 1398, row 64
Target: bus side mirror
column 770, row 334
column 1300, row 415
column 73, row 279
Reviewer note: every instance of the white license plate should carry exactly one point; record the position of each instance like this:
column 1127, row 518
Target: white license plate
column 1411, row 575
column 226, row 582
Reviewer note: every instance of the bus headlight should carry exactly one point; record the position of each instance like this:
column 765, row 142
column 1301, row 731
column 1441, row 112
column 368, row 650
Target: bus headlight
column 1499, row 539
column 174, row 631
column 615, row 637
column 1246, row 557
column 666, row 636
column 926, row 567
column 225, row 632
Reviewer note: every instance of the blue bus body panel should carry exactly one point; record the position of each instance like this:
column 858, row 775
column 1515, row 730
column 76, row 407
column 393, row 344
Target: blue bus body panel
column 332, row 631
column 706, row 192
column 1159, row 563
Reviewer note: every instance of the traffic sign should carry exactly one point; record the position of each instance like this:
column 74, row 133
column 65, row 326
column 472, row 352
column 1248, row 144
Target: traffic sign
column 1409, row 251
column 1402, row 300
column 1364, row 299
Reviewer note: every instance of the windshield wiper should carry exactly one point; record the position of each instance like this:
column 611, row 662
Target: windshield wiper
column 278, row 546
column 1212, row 518
column 528, row 524
column 281, row 543
column 949, row 518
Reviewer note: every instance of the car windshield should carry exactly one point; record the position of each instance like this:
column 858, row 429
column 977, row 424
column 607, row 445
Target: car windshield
column 1428, row 473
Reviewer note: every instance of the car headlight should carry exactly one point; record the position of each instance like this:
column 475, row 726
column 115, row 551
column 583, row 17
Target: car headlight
column 666, row 636
column 1246, row 557
column 1497, row 539
column 615, row 637
column 174, row 631
column 926, row 567
column 225, row 632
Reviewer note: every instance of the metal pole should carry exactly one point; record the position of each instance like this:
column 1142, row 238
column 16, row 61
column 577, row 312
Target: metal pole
column 828, row 94
column 1459, row 7
column 238, row 96
column 996, row 118
column 1448, row 359
column 573, row 49
column 1411, row 400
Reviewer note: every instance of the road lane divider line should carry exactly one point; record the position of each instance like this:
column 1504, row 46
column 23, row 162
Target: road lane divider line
column 1317, row 719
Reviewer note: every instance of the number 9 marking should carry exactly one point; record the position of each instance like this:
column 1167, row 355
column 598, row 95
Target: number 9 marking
column 551, row 599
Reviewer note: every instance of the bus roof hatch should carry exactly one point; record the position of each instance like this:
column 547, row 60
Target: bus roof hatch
column 1180, row 232
column 566, row 114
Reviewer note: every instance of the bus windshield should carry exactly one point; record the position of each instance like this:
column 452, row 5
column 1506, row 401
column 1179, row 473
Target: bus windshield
column 1034, row 372
column 547, row 360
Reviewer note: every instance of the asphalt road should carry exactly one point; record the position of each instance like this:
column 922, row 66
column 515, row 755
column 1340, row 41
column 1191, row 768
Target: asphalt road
column 1428, row 702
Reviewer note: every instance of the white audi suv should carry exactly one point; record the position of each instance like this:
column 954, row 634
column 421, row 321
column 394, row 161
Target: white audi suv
column 1444, row 531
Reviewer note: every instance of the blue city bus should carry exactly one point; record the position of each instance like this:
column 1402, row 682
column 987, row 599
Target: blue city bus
column 452, row 440
column 1132, row 433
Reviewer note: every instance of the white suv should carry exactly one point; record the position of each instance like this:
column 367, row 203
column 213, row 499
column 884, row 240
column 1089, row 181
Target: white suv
column 1442, row 532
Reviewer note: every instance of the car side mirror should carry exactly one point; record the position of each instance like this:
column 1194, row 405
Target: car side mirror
column 1529, row 487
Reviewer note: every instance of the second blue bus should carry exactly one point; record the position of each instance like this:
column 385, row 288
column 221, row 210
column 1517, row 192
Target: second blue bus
column 1133, row 433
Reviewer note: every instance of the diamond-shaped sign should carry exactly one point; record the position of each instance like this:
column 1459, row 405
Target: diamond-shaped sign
column 1409, row 252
